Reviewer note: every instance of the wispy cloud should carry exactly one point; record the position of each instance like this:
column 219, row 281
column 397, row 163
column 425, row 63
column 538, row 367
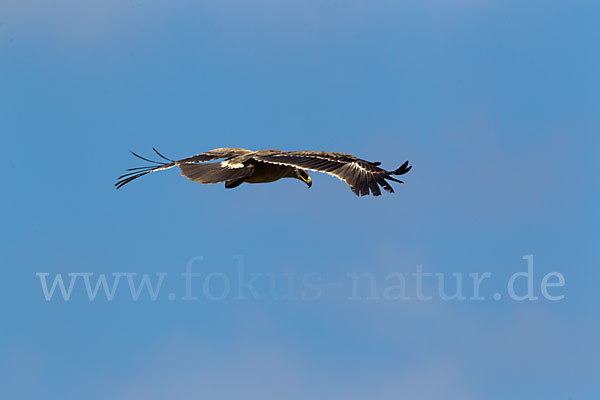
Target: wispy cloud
column 186, row 369
column 87, row 22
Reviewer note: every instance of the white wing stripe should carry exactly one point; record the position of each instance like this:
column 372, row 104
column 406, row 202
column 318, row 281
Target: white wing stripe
column 227, row 164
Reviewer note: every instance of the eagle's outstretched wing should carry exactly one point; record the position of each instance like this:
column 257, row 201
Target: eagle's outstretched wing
column 360, row 175
column 208, row 173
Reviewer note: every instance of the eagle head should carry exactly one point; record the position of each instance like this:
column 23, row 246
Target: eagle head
column 303, row 176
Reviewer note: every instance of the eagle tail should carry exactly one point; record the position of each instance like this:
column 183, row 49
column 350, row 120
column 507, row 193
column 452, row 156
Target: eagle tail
column 213, row 172
column 141, row 171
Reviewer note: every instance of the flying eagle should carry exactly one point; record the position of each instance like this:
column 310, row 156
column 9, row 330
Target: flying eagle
column 241, row 165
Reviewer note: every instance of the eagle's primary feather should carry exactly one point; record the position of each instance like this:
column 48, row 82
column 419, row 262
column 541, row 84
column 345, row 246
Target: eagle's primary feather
column 242, row 165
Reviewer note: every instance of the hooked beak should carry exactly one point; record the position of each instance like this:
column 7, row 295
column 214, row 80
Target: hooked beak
column 308, row 181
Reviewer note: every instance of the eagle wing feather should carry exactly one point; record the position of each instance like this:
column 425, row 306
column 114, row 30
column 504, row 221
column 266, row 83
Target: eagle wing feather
column 362, row 176
column 216, row 154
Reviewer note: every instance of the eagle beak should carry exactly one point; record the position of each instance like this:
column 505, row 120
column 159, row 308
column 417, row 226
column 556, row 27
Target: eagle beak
column 308, row 181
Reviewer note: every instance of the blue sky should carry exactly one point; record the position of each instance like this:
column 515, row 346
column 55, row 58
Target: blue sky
column 495, row 104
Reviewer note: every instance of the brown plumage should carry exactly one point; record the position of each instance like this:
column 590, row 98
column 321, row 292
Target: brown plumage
column 241, row 165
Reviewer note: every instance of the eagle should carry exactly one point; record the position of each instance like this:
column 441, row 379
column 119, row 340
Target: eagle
column 239, row 165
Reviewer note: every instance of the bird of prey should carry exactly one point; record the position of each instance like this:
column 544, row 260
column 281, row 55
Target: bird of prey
column 241, row 165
